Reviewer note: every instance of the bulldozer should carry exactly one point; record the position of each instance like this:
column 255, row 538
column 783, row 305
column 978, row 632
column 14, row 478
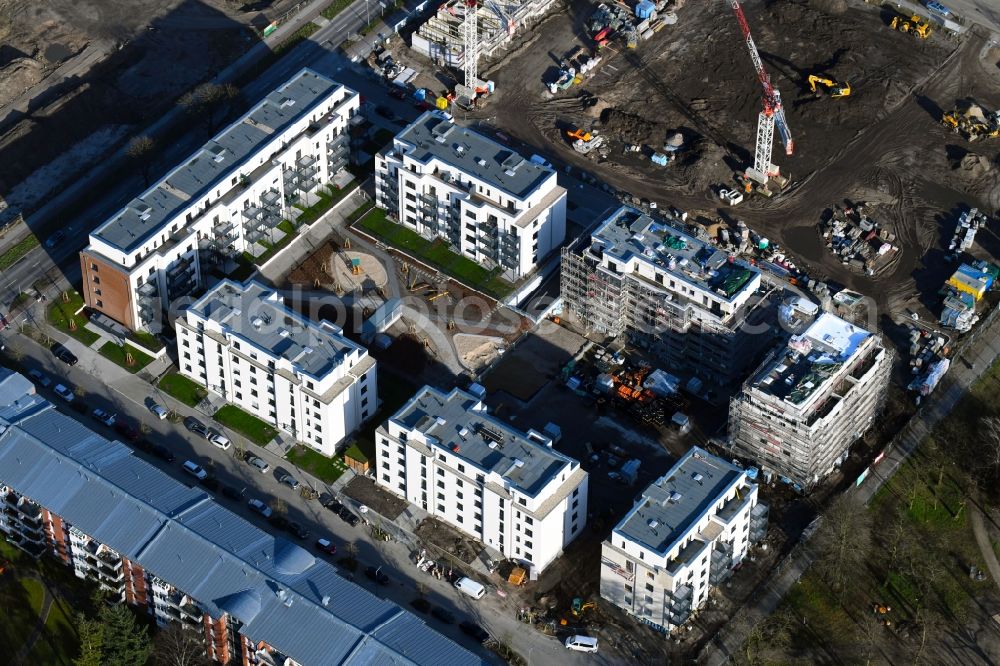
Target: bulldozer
column 836, row 89
column 914, row 25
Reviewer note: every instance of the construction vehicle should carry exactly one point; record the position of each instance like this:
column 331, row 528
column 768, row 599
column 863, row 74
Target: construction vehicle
column 914, row 25
column 972, row 121
column 771, row 117
column 578, row 134
column 584, row 141
column 579, row 607
column 836, row 89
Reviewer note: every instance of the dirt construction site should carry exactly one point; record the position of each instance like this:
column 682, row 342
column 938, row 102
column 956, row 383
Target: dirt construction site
column 884, row 145
column 78, row 77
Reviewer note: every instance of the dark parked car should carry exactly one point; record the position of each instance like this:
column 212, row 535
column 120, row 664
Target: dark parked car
column 474, row 631
column 163, row 453
column 444, row 615
column 385, row 112
column 232, row 493
column 421, row 605
column 375, row 574
column 297, row 530
column 334, row 505
column 63, row 354
column 127, row 430
column 196, row 426
column 210, row 482
column 348, row 517
column 289, row 480
column 144, row 445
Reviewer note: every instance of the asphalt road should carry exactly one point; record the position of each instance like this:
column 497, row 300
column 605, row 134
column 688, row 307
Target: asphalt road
column 126, row 395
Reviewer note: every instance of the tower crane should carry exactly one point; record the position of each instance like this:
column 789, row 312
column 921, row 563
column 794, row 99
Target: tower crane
column 470, row 28
column 771, row 116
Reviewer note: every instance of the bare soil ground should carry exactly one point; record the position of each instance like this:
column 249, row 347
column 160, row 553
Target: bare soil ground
column 883, row 143
column 448, row 539
column 384, row 503
column 71, row 70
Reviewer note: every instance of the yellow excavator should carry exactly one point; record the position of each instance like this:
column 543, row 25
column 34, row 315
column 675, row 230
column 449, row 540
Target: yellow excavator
column 972, row 121
column 836, row 89
column 914, row 25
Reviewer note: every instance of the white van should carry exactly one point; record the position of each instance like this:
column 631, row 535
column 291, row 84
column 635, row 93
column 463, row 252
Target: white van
column 470, row 587
column 581, row 643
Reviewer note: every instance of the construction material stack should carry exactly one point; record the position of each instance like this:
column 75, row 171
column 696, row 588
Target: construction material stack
column 857, row 240
column 969, row 222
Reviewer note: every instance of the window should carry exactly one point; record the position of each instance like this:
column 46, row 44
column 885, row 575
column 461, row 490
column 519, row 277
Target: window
column 97, row 292
column 440, row 484
column 649, row 588
column 576, row 503
column 461, row 468
column 576, row 492
column 522, row 501
column 459, row 507
column 573, row 518
column 528, row 533
column 97, row 280
column 440, row 496
column 628, row 588
column 527, row 544
column 528, row 520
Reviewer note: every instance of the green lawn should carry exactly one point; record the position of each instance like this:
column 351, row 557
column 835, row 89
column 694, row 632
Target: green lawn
column 182, row 388
column 14, row 254
column 328, row 197
column 354, row 451
column 293, row 39
column 290, row 233
column 325, row 469
column 435, row 253
column 61, row 312
column 246, row 424
column 335, row 8
column 147, row 340
column 58, row 644
column 113, row 352
column 22, row 598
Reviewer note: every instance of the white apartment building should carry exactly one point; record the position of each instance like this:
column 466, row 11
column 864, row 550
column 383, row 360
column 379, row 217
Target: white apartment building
column 486, row 201
column 812, row 398
column 509, row 489
column 686, row 533
column 242, row 343
column 689, row 303
column 227, row 198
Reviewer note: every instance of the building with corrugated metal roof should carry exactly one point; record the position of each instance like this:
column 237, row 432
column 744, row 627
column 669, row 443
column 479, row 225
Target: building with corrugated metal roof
column 171, row 551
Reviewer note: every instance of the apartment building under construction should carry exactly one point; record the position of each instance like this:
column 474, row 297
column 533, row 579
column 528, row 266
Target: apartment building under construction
column 441, row 37
column 811, row 399
column 694, row 306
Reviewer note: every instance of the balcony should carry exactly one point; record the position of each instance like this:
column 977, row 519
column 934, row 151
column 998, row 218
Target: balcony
column 148, row 290
column 336, row 163
column 253, row 213
column 305, row 162
column 270, row 198
column 339, row 142
column 679, row 605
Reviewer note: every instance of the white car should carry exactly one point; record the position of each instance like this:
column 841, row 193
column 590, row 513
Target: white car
column 731, row 197
column 195, row 470
column 63, row 393
column 158, row 410
column 260, row 507
column 219, row 440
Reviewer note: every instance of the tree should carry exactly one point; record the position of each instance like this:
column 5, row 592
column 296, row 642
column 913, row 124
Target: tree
column 141, row 149
column 279, row 506
column 91, row 633
column 843, row 541
column 208, row 99
column 125, row 642
column 871, row 636
column 179, row 645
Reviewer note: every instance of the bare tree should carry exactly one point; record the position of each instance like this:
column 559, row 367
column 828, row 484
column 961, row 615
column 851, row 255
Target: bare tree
column 843, row 541
column 178, row 645
column 765, row 641
column 141, row 149
column 208, row 99
column 279, row 506
column 871, row 636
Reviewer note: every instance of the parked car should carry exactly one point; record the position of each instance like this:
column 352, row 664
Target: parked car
column 232, row 492
column 66, row 356
column 348, row 517
column 196, row 426
column 40, row 378
column 421, row 605
column 163, row 453
column 195, row 470
column 144, row 445
column 333, row 505
column 219, row 439
column 127, row 430
column 63, row 393
column 104, row 417
column 55, row 239
column 210, row 482
column 158, row 410
column 261, row 508
column 259, row 463
column 474, row 631
column 581, row 643
column 278, row 521
column 375, row 574
column 289, row 481
column 444, row 615
column 326, row 546
column 297, row 530
column 385, row 112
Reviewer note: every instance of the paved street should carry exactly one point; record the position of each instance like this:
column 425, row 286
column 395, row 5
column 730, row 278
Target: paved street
column 110, row 387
